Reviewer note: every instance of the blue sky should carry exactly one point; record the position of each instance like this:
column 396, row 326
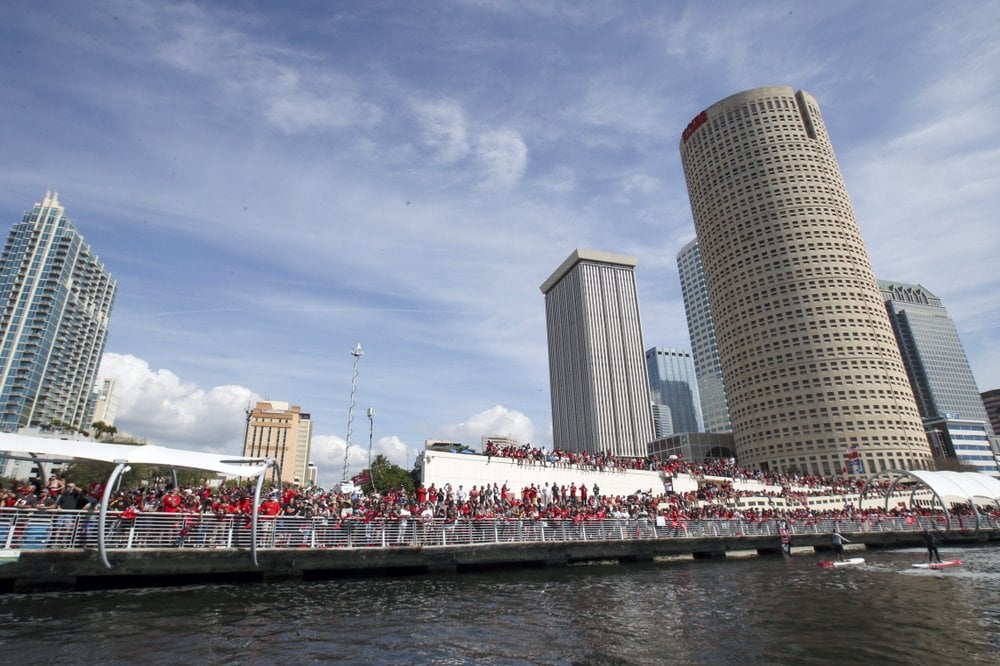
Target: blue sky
column 272, row 183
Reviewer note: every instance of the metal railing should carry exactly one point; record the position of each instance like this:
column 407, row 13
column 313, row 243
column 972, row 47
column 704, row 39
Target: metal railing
column 25, row 529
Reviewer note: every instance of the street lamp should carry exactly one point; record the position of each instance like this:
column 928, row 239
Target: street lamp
column 357, row 354
column 371, row 429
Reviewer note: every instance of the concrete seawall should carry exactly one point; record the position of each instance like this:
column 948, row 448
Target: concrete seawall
column 47, row 570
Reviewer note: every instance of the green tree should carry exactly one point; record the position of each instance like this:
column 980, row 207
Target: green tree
column 387, row 476
column 103, row 431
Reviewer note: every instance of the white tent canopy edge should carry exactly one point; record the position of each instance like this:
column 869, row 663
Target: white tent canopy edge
column 148, row 454
column 122, row 455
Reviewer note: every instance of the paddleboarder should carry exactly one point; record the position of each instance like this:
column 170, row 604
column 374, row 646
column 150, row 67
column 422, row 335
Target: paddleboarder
column 786, row 538
column 932, row 549
column 838, row 542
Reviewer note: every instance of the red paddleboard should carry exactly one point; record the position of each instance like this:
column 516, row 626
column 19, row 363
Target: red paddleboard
column 937, row 565
column 846, row 563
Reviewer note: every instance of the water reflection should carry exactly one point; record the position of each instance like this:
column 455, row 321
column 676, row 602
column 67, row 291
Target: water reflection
column 736, row 611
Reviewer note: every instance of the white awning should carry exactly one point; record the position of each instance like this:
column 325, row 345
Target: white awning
column 148, row 454
column 964, row 485
column 122, row 455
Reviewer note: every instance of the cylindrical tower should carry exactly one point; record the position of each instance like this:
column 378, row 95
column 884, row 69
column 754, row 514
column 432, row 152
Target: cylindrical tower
column 810, row 363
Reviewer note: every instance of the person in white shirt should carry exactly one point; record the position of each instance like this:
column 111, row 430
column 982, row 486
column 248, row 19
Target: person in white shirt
column 404, row 522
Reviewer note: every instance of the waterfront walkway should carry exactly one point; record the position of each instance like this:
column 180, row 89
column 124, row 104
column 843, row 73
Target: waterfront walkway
column 28, row 529
column 43, row 551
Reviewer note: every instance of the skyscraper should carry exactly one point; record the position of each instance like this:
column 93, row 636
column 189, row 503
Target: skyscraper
column 932, row 352
column 991, row 402
column 277, row 430
column 672, row 382
column 105, row 402
column 704, row 348
column 600, row 391
column 55, row 301
column 811, row 366
column 945, row 389
column 663, row 420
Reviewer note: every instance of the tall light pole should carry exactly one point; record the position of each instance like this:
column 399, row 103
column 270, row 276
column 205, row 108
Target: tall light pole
column 371, row 430
column 357, row 354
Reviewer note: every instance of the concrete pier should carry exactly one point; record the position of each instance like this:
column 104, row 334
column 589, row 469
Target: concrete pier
column 44, row 570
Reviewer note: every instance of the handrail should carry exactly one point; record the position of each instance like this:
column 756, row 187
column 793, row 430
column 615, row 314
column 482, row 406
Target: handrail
column 53, row 529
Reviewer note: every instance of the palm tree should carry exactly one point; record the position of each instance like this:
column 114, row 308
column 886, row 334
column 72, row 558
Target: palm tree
column 103, row 429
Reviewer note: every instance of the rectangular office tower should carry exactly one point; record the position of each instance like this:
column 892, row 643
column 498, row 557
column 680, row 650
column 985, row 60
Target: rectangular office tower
column 55, row 301
column 283, row 432
column 674, row 385
column 704, row 349
column 810, row 362
column 991, row 402
column 946, row 392
column 599, row 387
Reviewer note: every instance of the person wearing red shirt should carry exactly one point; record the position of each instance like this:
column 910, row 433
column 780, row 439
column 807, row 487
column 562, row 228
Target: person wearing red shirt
column 171, row 502
column 269, row 508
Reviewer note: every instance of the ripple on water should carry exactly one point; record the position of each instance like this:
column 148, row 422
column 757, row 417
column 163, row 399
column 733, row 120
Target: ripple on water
column 759, row 610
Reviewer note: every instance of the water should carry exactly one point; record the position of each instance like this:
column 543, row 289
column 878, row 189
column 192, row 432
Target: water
column 736, row 611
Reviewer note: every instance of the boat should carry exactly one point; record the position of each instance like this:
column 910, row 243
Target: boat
column 842, row 563
column 937, row 565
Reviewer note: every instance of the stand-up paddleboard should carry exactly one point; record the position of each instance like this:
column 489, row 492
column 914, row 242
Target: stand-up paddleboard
column 937, row 565
column 846, row 563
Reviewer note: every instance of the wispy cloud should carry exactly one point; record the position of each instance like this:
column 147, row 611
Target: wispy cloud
column 443, row 129
column 293, row 91
column 271, row 188
column 503, row 157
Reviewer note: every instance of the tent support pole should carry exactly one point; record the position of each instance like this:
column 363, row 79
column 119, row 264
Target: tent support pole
column 102, row 547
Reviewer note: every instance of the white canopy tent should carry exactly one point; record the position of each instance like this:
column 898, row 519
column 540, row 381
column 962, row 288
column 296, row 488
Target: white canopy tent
column 123, row 455
column 947, row 487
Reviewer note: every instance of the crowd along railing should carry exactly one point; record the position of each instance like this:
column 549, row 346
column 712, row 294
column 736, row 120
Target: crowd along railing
column 25, row 529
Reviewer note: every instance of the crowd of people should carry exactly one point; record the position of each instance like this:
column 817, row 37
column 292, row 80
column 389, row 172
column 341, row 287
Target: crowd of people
column 715, row 498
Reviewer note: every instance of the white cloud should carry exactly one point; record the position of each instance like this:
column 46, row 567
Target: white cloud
column 560, row 181
column 443, row 129
column 634, row 109
column 157, row 406
column 294, row 109
column 503, row 157
column 497, row 420
column 295, row 93
column 639, row 183
column 327, row 453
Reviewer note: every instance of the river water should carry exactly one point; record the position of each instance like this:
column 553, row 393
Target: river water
column 760, row 610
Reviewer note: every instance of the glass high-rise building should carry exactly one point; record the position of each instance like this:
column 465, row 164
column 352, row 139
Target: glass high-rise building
column 55, row 301
column 673, row 382
column 991, row 402
column 704, row 349
column 935, row 360
column 810, row 362
column 940, row 374
column 598, row 382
